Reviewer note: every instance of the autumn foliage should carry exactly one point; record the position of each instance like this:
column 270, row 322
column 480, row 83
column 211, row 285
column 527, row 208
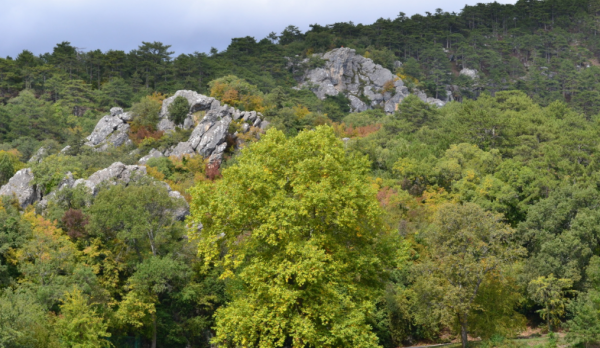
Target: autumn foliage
column 347, row 131
column 138, row 133
column 236, row 92
column 74, row 222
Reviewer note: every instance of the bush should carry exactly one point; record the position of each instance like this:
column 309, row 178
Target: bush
column 163, row 165
column 74, row 222
column 146, row 112
column 9, row 165
column 52, row 170
column 179, row 109
column 137, row 134
column 336, row 107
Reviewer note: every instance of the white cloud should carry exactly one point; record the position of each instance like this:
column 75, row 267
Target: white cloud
column 188, row 25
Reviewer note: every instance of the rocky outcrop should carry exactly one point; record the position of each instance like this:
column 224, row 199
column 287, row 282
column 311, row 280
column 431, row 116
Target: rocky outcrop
column 209, row 137
column 364, row 83
column 111, row 131
column 39, row 155
column 117, row 173
column 197, row 102
column 22, row 188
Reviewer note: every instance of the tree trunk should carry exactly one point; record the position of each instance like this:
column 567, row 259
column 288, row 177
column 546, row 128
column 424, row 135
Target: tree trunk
column 154, row 330
column 548, row 317
column 463, row 332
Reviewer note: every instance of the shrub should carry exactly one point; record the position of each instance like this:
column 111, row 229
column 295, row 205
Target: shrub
column 137, row 134
column 212, row 171
column 179, row 109
column 9, row 165
column 163, row 164
column 146, row 111
column 74, row 222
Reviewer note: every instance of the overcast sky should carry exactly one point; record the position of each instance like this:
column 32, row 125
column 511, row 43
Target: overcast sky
column 187, row 25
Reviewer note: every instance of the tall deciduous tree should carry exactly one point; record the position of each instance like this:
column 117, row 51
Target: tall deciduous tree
column 295, row 224
column 468, row 247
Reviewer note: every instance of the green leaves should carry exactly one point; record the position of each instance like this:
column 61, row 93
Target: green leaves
column 178, row 110
column 469, row 248
column 141, row 216
column 80, row 325
column 300, row 225
column 550, row 293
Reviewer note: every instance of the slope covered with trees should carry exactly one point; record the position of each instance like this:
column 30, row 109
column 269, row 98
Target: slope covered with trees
column 330, row 229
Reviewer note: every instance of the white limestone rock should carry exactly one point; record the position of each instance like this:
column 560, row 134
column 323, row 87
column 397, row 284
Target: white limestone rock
column 472, row 73
column 354, row 76
column 22, row 188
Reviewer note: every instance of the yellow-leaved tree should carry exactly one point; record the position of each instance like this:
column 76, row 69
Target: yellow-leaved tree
column 296, row 227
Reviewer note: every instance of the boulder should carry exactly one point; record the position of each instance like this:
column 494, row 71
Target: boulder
column 472, row 73
column 154, row 153
column 217, row 154
column 184, row 210
column 67, row 182
column 115, row 173
column 183, row 148
column 115, row 111
column 437, row 102
column 214, row 137
column 39, row 155
column 22, row 188
column 433, row 101
column 111, row 131
column 117, row 138
column 65, row 149
column 126, row 116
column 264, row 124
column 103, row 129
column 356, row 104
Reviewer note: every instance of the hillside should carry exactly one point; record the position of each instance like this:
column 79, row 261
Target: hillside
column 416, row 180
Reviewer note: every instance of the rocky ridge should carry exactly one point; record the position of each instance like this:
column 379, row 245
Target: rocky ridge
column 364, row 83
column 208, row 139
column 22, row 186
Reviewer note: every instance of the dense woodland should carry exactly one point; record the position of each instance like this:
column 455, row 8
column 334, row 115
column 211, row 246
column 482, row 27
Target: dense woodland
column 477, row 219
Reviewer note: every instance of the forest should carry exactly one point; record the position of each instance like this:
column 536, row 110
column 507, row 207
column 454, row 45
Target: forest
column 475, row 223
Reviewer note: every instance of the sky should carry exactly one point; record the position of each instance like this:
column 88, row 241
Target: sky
column 187, row 25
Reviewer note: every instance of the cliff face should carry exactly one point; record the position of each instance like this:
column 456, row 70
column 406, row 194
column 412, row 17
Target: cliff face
column 364, row 83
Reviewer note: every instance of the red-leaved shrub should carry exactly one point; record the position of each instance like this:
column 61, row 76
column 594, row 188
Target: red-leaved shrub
column 74, row 222
column 138, row 134
column 212, row 171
